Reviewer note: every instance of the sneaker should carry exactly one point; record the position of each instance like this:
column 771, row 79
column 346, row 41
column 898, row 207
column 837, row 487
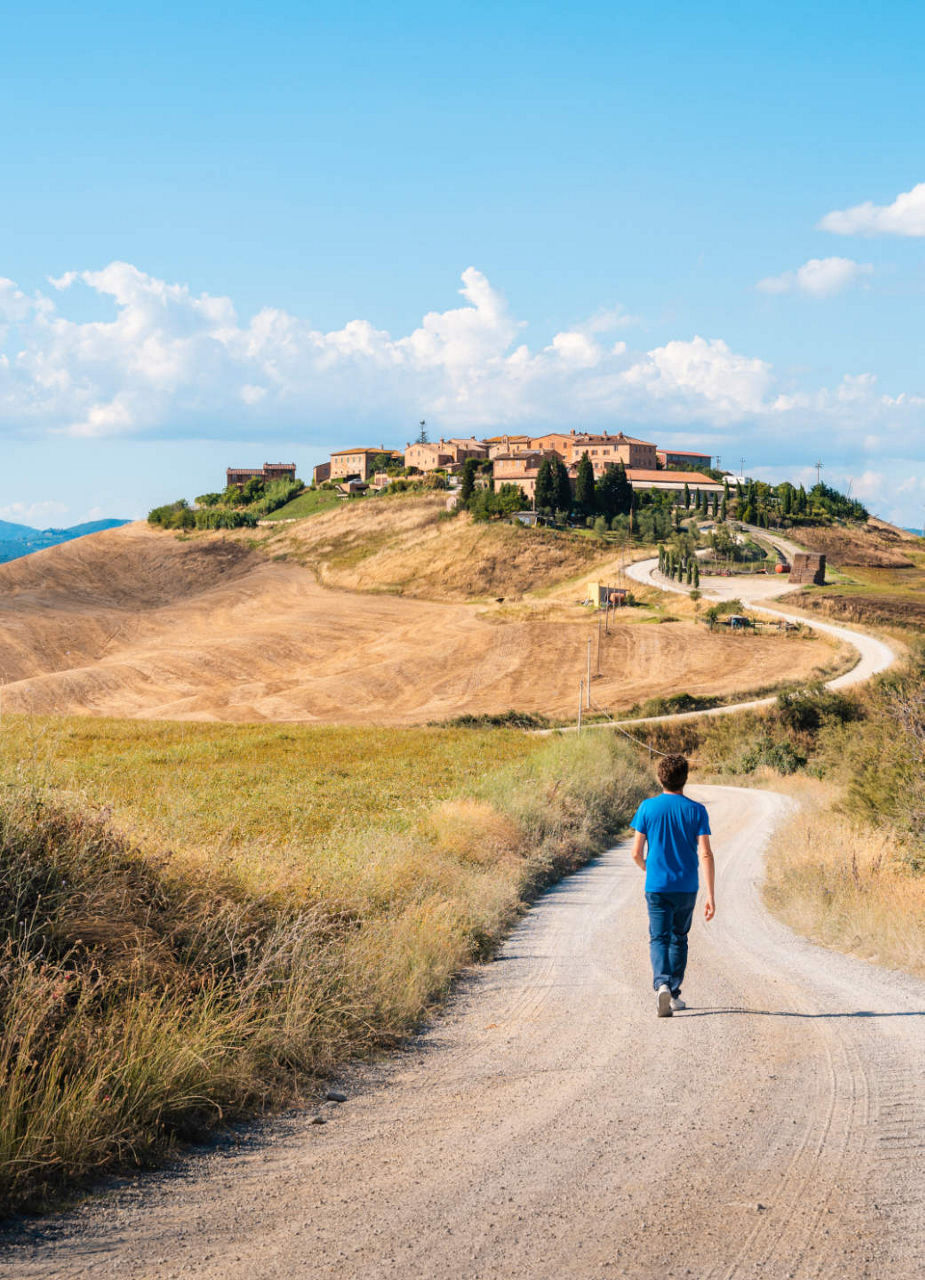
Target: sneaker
column 677, row 1003
column 663, row 1001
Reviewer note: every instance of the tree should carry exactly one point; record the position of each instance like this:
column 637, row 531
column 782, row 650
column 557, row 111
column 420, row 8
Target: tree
column 723, row 509
column 563, row 486
column 687, row 496
column 696, row 575
column 422, row 436
column 467, row 486
column 253, row 489
column 545, row 496
column 584, row 486
column 614, row 493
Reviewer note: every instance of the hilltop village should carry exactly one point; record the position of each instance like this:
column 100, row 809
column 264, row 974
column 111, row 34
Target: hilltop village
column 518, row 460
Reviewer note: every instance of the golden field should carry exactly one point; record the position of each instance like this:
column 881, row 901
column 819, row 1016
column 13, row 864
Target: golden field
column 198, row 921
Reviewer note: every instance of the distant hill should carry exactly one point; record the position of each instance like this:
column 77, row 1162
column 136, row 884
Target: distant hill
column 18, row 540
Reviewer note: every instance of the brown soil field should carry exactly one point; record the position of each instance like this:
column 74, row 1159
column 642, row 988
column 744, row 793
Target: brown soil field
column 885, row 571
column 876, row 545
column 898, row 610
column 140, row 622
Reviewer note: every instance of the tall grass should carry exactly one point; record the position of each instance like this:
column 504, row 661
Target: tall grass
column 145, row 996
column 849, row 885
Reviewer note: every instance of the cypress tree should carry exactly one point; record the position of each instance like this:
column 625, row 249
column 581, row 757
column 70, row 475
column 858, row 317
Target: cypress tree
column 563, row 486
column 545, row 487
column 584, row 486
column 696, row 574
column 687, row 496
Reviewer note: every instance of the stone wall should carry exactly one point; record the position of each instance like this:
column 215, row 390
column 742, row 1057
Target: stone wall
column 808, row 567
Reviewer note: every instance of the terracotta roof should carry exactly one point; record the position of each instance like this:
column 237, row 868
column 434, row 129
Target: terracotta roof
column 667, row 477
column 685, row 453
column 336, row 453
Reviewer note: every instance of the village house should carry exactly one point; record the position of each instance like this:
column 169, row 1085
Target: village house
column 684, row 458
column 603, row 450
column 358, row 463
column 506, row 444
column 270, row 471
column 321, row 472
column 445, row 454
column 672, row 481
column 520, row 469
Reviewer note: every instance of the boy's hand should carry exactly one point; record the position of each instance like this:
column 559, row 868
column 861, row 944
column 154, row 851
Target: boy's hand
column 709, row 909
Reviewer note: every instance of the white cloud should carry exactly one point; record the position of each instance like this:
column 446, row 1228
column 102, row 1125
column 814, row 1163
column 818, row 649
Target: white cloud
column 172, row 364
column 40, row 515
column 819, row 277
column 706, row 372
column 904, row 217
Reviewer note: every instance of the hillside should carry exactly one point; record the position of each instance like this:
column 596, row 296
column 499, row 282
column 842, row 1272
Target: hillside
column 880, row 574
column 407, row 546
column 144, row 623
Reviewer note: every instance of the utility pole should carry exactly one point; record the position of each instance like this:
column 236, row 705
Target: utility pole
column 819, row 468
column 588, row 692
column 600, row 623
column 742, row 468
column 581, row 699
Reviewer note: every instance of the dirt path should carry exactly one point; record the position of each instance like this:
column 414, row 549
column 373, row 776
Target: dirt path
column 551, row 1126
column 874, row 655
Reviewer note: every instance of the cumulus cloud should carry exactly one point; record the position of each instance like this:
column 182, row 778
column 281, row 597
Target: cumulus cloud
column 38, row 515
column 819, row 277
column 904, row 217
column 168, row 363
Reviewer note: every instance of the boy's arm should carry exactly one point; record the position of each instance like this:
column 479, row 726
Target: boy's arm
column 639, row 850
column 705, row 853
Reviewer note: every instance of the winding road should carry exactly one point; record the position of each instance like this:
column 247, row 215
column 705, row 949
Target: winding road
column 551, row 1126
column 874, row 655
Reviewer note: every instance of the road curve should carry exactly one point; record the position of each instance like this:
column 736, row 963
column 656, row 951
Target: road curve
column 874, row 654
column 551, row 1126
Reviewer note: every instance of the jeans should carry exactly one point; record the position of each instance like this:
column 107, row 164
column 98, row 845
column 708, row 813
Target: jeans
column 670, row 916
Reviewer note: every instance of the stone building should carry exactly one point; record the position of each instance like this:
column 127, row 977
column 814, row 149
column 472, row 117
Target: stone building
column 270, row 471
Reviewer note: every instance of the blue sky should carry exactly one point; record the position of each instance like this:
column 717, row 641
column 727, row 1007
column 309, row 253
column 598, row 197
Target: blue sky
column 237, row 233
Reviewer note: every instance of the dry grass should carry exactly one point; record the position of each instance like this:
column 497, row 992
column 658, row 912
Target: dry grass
column 145, row 995
column 139, row 624
column 845, row 883
column 404, row 545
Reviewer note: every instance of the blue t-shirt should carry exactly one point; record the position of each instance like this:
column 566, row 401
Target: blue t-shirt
column 671, row 825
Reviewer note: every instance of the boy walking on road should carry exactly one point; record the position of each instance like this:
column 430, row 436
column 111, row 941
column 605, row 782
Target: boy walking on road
column 677, row 831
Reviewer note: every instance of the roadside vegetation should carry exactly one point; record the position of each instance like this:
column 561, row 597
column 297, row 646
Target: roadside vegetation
column 202, row 921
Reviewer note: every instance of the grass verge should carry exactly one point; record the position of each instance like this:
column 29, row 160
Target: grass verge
column 146, row 995
column 847, row 884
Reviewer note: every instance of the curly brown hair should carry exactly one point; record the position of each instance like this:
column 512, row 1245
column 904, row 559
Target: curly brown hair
column 672, row 772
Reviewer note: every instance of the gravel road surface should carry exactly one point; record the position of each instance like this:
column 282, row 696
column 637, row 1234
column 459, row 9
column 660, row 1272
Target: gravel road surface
column 551, row 1126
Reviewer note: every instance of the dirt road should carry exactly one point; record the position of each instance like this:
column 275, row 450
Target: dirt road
column 874, row 655
column 551, row 1126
